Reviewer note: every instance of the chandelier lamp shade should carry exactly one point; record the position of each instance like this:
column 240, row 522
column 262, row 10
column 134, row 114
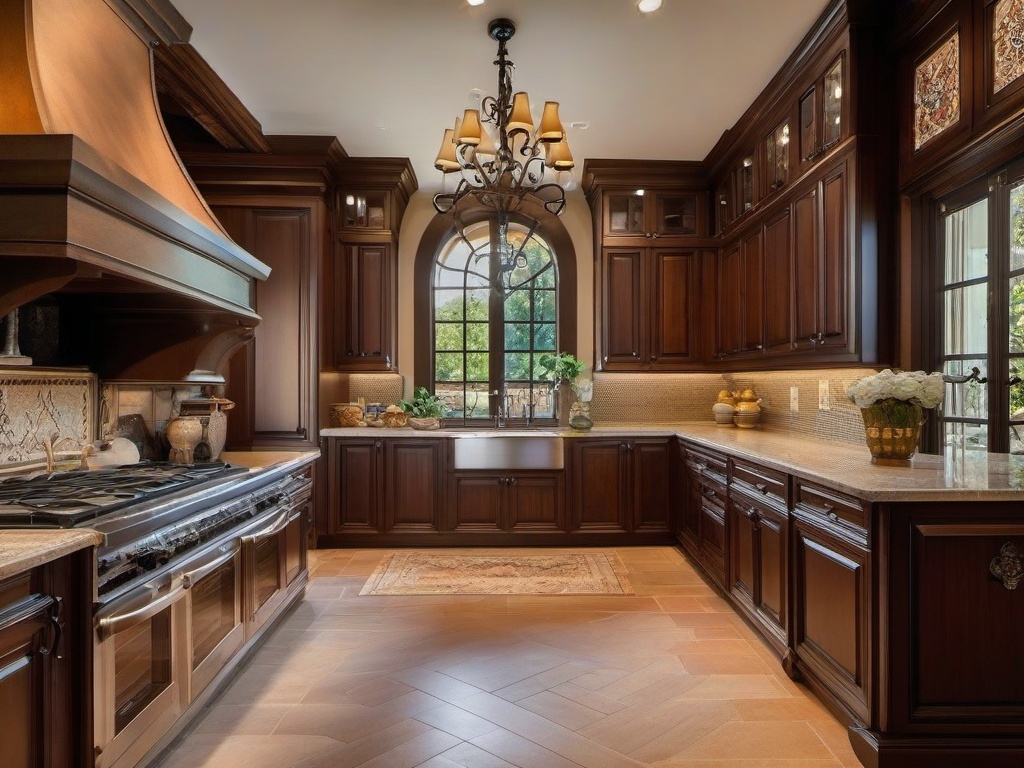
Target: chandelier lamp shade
column 501, row 159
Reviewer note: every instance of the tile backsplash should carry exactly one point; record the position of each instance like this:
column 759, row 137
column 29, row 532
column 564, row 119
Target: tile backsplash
column 37, row 404
column 661, row 398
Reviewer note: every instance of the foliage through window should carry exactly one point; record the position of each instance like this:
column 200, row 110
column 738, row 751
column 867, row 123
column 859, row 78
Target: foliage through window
column 487, row 341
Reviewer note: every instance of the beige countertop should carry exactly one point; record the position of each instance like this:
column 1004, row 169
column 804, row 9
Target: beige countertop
column 21, row 550
column 257, row 460
column 845, row 467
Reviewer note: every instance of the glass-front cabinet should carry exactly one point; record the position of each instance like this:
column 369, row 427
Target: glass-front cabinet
column 821, row 114
column 651, row 214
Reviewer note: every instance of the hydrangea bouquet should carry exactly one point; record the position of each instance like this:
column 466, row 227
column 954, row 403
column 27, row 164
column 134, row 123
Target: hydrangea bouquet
column 898, row 397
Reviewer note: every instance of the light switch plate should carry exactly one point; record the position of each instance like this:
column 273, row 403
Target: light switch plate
column 824, row 403
column 794, row 399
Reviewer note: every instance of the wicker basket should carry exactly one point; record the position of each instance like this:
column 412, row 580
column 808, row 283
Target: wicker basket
column 395, row 419
column 346, row 414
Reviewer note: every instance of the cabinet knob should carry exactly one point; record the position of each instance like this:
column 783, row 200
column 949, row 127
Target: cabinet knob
column 654, row 358
column 656, row 235
column 349, row 353
column 635, row 353
column 362, row 353
column 647, row 235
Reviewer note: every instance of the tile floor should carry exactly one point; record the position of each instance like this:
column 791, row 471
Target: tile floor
column 668, row 678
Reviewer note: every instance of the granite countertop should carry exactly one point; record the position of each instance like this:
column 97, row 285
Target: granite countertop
column 844, row 467
column 21, row 550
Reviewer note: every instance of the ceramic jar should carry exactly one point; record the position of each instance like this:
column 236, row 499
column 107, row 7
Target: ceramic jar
column 184, row 434
column 748, row 414
column 723, row 413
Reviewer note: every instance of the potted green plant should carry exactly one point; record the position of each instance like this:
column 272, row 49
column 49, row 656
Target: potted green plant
column 425, row 410
column 563, row 367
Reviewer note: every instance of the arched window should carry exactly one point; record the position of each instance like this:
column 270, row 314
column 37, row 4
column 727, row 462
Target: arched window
column 489, row 317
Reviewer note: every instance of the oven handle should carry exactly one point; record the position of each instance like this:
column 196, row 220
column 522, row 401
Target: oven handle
column 110, row 625
column 189, row 579
column 275, row 528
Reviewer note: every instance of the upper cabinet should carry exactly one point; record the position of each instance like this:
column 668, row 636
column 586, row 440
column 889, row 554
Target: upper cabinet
column 802, row 210
column 651, row 225
column 371, row 197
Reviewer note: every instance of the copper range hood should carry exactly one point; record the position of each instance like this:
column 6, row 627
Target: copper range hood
column 93, row 197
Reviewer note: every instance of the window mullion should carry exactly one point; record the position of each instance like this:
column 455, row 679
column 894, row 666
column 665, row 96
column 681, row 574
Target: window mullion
column 999, row 315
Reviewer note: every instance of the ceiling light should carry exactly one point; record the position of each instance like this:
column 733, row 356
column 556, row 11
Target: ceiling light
column 475, row 2
column 502, row 158
column 648, row 6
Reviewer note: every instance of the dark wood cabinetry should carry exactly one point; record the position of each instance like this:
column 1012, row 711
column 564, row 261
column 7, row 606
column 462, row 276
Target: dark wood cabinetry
column 651, row 235
column 704, row 531
column 650, row 316
column 370, row 200
column 519, row 502
column 364, row 303
column 45, row 646
column 413, row 485
column 620, row 485
column 355, row 468
column 759, row 549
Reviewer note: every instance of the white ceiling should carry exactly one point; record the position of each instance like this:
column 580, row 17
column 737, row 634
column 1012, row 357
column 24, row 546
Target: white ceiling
column 388, row 76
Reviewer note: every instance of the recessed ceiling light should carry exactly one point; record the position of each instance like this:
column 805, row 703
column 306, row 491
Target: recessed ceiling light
column 648, row 6
column 475, row 2
column 580, row 125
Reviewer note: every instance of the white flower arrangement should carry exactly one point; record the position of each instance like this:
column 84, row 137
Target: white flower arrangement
column 916, row 387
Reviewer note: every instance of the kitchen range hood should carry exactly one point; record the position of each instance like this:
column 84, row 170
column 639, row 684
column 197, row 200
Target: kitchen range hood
column 93, row 197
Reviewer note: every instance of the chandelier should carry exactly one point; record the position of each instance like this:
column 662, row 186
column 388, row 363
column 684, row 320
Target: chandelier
column 501, row 161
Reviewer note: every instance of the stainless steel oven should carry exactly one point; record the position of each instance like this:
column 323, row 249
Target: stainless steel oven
column 139, row 670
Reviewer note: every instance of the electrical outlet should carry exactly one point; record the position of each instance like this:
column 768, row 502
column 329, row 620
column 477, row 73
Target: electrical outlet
column 794, row 399
column 824, row 402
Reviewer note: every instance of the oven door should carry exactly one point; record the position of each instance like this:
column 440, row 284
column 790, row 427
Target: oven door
column 270, row 559
column 213, row 615
column 139, row 668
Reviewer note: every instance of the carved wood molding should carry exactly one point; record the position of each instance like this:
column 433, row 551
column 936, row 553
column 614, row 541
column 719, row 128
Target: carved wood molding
column 1007, row 566
column 155, row 21
column 181, row 73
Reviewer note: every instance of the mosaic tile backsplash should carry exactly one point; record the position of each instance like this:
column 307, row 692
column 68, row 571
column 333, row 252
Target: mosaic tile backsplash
column 35, row 405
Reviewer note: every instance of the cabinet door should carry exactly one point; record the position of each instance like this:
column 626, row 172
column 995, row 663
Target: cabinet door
column 778, row 272
column 730, row 302
column 688, row 512
column 675, row 214
column 413, row 477
column 623, row 300
column 650, row 484
column 477, row 502
column 674, row 276
column 805, row 269
column 600, row 485
column 625, row 214
column 273, row 380
column 24, row 701
column 832, row 609
column 752, row 275
column 772, row 571
column 834, row 261
column 355, row 500
column 743, row 548
column 535, row 502
column 364, row 298
column 714, row 541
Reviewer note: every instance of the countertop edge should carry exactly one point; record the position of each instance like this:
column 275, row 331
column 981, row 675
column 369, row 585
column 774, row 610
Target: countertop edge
column 22, row 550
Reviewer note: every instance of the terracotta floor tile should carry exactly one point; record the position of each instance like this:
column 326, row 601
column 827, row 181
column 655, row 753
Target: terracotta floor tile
column 667, row 678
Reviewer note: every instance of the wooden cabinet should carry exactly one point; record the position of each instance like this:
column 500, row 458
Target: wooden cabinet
column 650, row 306
column 704, row 529
column 821, row 112
column 652, row 214
column 620, row 484
column 730, row 303
column 413, row 485
column 778, row 279
column 45, row 645
column 273, row 379
column 832, row 604
column 519, row 502
column 364, row 307
column 355, row 468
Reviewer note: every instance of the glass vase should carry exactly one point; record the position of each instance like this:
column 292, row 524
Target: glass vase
column 892, row 429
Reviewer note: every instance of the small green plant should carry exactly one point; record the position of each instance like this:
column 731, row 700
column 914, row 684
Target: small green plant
column 561, row 366
column 424, row 405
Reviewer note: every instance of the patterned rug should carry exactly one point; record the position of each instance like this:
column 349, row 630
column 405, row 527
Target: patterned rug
column 424, row 573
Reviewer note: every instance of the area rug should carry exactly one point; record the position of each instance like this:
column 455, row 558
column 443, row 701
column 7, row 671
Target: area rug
column 423, row 573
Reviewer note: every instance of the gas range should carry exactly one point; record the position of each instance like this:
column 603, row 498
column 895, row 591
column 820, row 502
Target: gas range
column 70, row 499
column 152, row 515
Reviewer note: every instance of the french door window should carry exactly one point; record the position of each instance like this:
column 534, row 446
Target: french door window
column 982, row 305
column 488, row 340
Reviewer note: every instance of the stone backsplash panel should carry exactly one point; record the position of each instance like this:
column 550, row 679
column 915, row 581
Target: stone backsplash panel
column 36, row 404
